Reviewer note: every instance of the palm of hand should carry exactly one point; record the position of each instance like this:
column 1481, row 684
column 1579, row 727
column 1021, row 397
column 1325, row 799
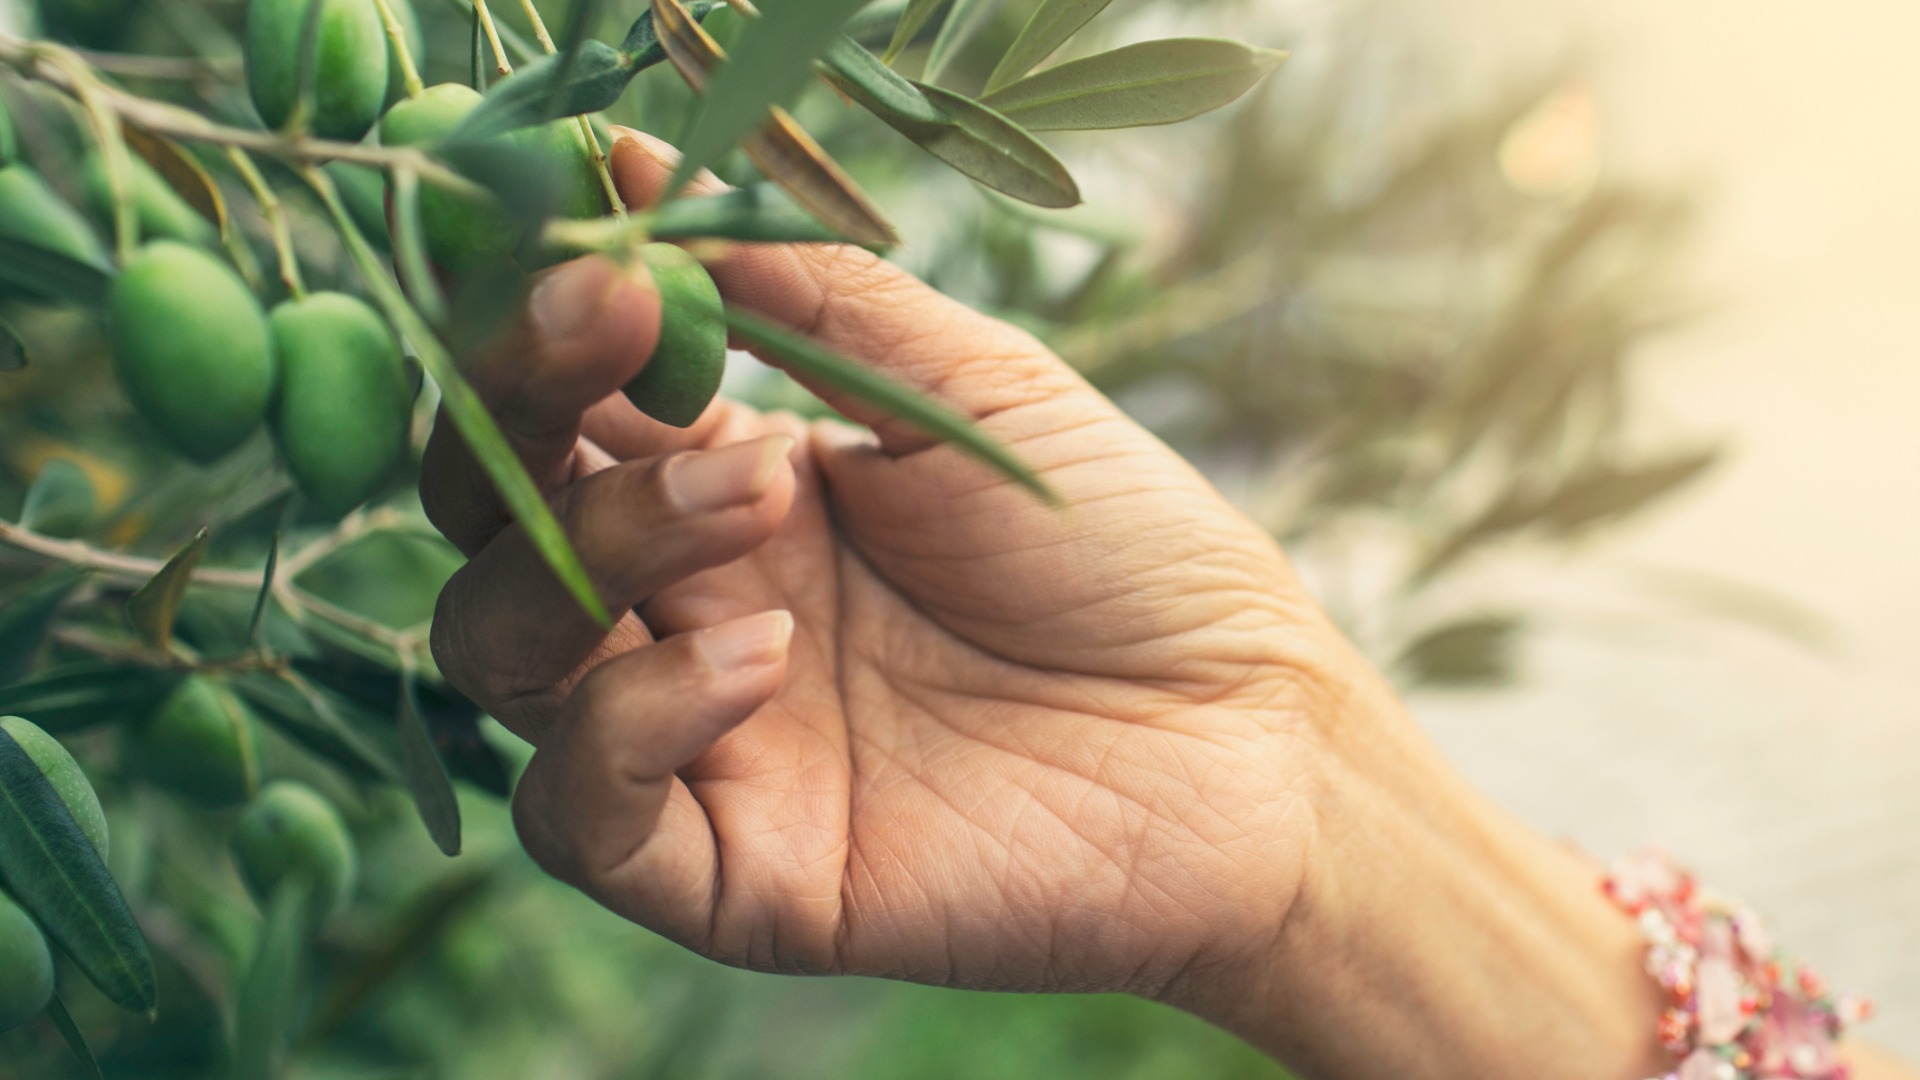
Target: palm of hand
column 1012, row 746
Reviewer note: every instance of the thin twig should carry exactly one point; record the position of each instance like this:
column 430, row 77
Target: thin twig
column 105, row 121
column 137, row 66
column 539, row 27
column 501, row 65
column 276, row 221
column 164, row 119
column 130, row 568
column 397, row 37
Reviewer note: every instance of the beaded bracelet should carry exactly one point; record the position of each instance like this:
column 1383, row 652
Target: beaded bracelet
column 1736, row 1011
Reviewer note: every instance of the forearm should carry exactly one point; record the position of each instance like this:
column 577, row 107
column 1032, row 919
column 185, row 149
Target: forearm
column 1438, row 937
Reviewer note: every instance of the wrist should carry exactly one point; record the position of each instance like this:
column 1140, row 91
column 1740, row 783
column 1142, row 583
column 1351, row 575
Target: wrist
column 1435, row 935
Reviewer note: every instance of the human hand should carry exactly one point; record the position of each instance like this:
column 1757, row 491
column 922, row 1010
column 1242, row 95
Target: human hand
column 874, row 710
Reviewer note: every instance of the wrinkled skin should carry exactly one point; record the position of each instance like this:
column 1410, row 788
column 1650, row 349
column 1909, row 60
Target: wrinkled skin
column 1009, row 746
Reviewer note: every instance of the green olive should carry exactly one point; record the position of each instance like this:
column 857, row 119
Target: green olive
column 350, row 74
column 684, row 372
column 64, row 774
column 32, row 213
column 344, row 401
column 292, row 832
column 581, row 193
column 201, row 743
column 162, row 213
column 26, row 967
column 191, row 346
column 462, row 231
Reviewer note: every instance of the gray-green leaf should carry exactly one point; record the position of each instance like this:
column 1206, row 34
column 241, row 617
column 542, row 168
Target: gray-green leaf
column 52, row 869
column 153, row 606
column 1053, row 22
column 426, row 774
column 911, row 21
column 26, row 611
column 543, row 91
column 37, row 271
column 757, row 212
column 965, row 20
column 60, row 502
column 1154, row 82
column 958, row 130
column 810, row 361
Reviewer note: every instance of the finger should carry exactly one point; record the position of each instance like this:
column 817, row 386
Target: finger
column 509, row 635
column 587, row 329
column 599, row 806
column 859, row 304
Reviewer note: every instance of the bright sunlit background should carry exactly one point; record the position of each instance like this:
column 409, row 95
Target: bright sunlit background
column 1787, row 773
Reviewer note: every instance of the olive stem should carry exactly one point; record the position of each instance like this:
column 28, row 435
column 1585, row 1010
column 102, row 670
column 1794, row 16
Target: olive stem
column 168, row 68
column 164, row 119
column 276, row 221
column 113, row 150
column 539, row 27
column 397, row 37
column 501, row 65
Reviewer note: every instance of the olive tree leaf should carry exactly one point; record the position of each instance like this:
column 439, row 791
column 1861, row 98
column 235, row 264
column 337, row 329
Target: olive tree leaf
column 812, row 362
column 153, row 606
column 769, row 65
column 547, row 89
column 911, row 21
column 39, row 271
column 410, row 260
column 1602, row 494
column 61, row 501
column 26, row 611
column 757, row 212
column 1154, row 82
column 642, row 43
column 1052, row 23
column 256, row 623
column 780, row 149
column 182, row 172
column 960, row 131
column 469, row 414
column 13, row 351
column 318, row 720
column 51, row 868
column 84, row 693
column 1472, row 651
column 426, row 773
column 75, row 1040
column 264, row 1000
column 965, row 20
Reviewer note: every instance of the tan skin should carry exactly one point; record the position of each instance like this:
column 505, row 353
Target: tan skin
column 872, row 710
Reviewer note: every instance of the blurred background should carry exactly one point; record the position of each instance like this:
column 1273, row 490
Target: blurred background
column 1566, row 344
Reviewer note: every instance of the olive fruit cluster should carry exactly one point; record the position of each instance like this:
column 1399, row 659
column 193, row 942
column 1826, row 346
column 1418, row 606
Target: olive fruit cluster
column 26, row 963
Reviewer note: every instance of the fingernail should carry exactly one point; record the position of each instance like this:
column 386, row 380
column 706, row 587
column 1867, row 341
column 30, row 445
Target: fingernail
column 574, row 298
column 704, row 480
column 754, row 641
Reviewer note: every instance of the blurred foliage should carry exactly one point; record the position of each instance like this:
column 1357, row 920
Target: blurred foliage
column 1396, row 325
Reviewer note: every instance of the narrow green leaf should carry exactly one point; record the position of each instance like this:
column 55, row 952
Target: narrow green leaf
column 964, row 21
column 76, row 1042
column 317, row 719
column 426, row 774
column 52, row 869
column 264, row 1003
column 410, row 260
column 758, row 212
column 256, row 624
column 810, row 361
column 13, row 351
column 642, row 43
column 1154, row 82
column 958, row 130
column 477, row 64
column 469, row 414
column 1603, row 494
column 1476, row 650
column 38, row 271
column 547, row 90
column 26, row 612
column 582, row 17
column 60, row 502
column 153, row 606
column 909, row 26
column 84, row 693
column 769, row 66
column 1053, row 22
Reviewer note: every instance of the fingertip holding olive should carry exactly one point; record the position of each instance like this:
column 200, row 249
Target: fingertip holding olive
column 65, row 775
column 200, row 743
column 350, row 75
column 292, row 834
column 684, row 372
column 191, row 347
column 26, row 966
column 344, row 403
